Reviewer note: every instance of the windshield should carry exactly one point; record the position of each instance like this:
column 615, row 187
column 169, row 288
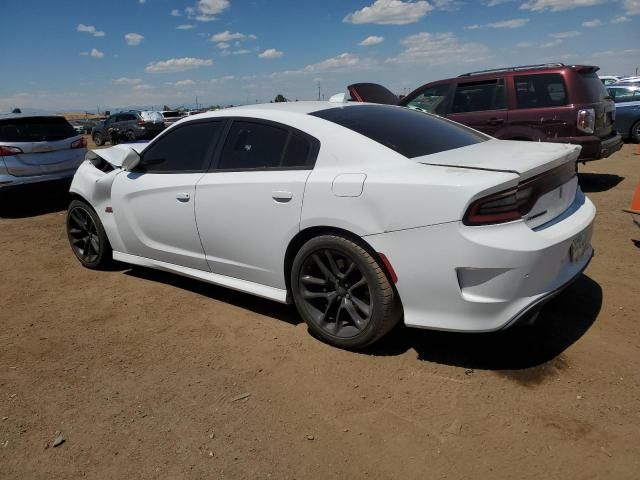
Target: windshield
column 35, row 129
column 171, row 114
column 409, row 132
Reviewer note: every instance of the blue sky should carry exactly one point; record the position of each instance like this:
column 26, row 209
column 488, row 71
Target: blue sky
column 75, row 55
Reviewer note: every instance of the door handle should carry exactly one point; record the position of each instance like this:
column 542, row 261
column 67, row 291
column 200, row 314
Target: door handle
column 495, row 121
column 183, row 197
column 281, row 196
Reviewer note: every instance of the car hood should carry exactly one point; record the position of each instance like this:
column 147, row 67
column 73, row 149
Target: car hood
column 527, row 159
column 115, row 155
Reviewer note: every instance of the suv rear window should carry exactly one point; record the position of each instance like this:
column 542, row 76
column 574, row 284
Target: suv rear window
column 541, row 90
column 408, row 132
column 171, row 114
column 35, row 129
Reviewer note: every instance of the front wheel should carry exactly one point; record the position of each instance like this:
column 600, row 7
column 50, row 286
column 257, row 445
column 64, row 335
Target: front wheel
column 87, row 237
column 342, row 292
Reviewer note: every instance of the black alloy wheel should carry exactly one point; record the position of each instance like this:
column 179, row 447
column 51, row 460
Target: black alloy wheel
column 86, row 235
column 343, row 293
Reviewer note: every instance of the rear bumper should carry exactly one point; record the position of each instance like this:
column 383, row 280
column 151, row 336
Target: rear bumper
column 593, row 147
column 483, row 279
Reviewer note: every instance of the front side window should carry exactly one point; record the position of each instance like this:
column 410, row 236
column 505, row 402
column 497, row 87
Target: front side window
column 181, row 150
column 538, row 91
column 623, row 95
column 431, row 99
column 252, row 145
column 478, row 96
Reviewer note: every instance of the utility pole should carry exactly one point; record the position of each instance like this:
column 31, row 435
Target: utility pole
column 318, row 90
column 196, row 102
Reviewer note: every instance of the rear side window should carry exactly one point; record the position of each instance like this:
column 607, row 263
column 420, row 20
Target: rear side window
column 35, row 129
column 478, row 96
column 254, row 145
column 182, row 150
column 595, row 90
column 432, row 100
column 406, row 131
column 542, row 90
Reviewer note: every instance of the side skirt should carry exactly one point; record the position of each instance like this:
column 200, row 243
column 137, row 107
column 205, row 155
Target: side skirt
column 263, row 291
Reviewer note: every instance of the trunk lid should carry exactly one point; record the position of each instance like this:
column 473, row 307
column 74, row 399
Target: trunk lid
column 371, row 93
column 550, row 167
column 527, row 159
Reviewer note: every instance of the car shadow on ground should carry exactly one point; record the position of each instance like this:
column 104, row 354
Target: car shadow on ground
column 34, row 200
column 520, row 352
column 560, row 323
column 261, row 306
column 598, row 182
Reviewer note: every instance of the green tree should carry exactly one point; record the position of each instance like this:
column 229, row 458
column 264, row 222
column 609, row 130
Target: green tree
column 280, row 98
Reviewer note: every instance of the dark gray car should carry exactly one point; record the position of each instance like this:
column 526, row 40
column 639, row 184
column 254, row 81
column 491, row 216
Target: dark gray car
column 129, row 126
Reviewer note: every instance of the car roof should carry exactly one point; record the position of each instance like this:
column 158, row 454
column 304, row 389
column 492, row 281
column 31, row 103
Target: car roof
column 264, row 109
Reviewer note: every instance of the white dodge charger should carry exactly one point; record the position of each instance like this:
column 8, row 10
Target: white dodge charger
column 360, row 214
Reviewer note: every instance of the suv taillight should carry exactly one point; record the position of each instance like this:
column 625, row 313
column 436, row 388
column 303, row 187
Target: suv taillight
column 80, row 143
column 587, row 120
column 8, row 151
column 515, row 203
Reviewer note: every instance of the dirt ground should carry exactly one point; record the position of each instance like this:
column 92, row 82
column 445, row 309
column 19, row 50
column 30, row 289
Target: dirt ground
column 149, row 375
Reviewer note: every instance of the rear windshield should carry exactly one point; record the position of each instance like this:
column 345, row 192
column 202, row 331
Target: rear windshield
column 408, row 132
column 35, row 129
column 152, row 116
column 171, row 114
column 594, row 88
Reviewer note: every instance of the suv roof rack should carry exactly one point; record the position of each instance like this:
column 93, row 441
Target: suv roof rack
column 513, row 69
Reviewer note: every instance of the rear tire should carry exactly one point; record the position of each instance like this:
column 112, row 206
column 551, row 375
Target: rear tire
column 635, row 131
column 87, row 237
column 343, row 293
column 98, row 139
column 130, row 136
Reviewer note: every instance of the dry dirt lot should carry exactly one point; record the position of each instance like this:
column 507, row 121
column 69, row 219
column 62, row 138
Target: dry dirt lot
column 148, row 375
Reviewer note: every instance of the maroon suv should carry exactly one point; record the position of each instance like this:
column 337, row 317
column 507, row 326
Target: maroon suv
column 550, row 103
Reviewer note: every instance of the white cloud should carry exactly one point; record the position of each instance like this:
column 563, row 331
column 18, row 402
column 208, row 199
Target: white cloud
column 371, row 40
column 143, row 87
column 632, row 7
column 175, row 13
column 89, row 29
column 95, row 53
column 390, row 12
column 127, row 81
column 182, row 83
column 342, row 62
column 562, row 35
column 207, row 10
column 223, row 45
column 270, row 53
column 558, row 5
column 142, row 1
column 525, row 44
column 185, row 26
column 133, row 39
column 620, row 19
column 177, row 65
column 227, row 36
column 495, row 3
column 592, row 23
column 439, row 49
column 513, row 23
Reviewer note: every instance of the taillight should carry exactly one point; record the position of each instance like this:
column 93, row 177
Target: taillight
column 515, row 203
column 80, row 143
column 141, row 122
column 587, row 120
column 8, row 151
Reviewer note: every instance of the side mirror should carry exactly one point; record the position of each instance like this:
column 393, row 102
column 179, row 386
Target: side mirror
column 131, row 160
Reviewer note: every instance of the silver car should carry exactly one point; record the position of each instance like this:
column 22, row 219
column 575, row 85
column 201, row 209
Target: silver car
column 38, row 148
